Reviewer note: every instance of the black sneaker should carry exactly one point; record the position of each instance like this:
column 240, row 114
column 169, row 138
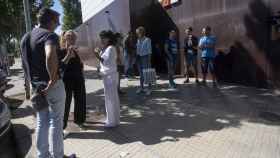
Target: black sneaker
column 187, row 81
column 121, row 92
column 204, row 82
column 215, row 84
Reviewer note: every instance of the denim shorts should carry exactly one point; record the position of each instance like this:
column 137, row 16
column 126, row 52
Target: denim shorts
column 191, row 59
column 207, row 63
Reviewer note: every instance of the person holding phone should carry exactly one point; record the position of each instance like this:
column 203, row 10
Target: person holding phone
column 107, row 56
column 73, row 78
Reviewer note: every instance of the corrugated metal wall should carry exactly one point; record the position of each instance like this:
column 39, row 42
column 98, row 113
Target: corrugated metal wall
column 240, row 26
column 251, row 56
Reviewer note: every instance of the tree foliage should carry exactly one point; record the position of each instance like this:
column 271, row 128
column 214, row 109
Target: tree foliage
column 12, row 21
column 72, row 14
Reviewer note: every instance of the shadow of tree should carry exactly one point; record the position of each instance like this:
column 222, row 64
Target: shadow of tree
column 23, row 112
column 252, row 59
column 23, row 139
column 259, row 30
column 170, row 115
column 16, row 72
column 14, row 102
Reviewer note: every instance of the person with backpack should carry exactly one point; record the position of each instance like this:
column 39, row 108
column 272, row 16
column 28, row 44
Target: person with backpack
column 171, row 48
column 40, row 49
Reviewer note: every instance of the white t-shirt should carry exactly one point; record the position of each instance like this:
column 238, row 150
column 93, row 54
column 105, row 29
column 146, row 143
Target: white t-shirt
column 109, row 64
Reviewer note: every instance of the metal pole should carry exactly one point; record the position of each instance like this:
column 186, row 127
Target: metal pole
column 26, row 7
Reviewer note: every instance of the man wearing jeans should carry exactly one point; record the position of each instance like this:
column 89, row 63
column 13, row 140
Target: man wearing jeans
column 143, row 57
column 172, row 50
column 41, row 66
column 130, row 53
column 207, row 46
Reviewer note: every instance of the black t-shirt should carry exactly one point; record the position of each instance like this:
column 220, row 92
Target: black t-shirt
column 74, row 68
column 190, row 43
column 39, row 37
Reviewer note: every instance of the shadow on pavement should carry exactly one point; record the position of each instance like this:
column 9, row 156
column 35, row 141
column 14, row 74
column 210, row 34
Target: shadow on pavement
column 191, row 110
column 23, row 139
column 16, row 72
column 23, row 112
column 13, row 102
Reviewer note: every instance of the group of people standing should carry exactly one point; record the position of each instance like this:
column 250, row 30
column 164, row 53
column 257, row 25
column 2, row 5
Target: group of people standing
column 192, row 45
column 138, row 51
column 53, row 67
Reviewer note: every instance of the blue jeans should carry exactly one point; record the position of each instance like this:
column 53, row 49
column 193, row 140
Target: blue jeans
column 143, row 62
column 49, row 130
column 129, row 62
column 171, row 64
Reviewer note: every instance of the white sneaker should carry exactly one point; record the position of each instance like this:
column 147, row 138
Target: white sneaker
column 139, row 91
column 65, row 134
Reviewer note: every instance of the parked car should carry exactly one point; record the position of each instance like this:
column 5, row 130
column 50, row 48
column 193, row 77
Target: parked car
column 7, row 143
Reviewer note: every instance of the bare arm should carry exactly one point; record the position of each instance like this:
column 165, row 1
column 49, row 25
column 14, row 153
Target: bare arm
column 52, row 65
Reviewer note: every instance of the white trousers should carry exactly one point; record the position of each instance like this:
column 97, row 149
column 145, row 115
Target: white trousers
column 112, row 102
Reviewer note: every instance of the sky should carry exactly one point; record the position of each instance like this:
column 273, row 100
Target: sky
column 57, row 7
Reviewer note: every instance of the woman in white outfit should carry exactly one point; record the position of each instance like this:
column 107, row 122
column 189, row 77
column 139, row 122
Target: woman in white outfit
column 108, row 68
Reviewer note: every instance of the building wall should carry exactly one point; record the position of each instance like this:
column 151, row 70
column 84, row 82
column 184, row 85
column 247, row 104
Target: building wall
column 240, row 26
column 250, row 54
column 101, row 15
column 93, row 7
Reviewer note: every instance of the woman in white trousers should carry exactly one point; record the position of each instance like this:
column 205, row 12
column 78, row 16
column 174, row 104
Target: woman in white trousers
column 108, row 68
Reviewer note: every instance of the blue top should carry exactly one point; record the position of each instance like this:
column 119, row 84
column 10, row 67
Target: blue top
column 172, row 46
column 207, row 52
column 144, row 47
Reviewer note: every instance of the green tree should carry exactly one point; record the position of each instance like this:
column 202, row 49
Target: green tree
column 72, row 14
column 12, row 24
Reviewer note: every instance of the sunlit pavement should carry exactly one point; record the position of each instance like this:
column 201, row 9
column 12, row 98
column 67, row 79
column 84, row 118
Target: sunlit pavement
column 194, row 121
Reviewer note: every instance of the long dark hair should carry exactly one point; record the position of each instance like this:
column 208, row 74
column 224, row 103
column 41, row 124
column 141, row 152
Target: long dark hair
column 109, row 35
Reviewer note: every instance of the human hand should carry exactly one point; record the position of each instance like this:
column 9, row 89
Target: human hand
column 97, row 51
column 50, row 84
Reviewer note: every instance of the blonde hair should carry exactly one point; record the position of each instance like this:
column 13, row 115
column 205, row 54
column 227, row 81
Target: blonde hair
column 63, row 37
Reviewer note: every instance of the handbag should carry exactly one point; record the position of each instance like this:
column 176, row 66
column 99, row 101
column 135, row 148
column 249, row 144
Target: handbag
column 149, row 74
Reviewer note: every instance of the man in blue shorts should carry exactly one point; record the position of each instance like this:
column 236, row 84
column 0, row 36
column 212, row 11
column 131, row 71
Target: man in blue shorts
column 207, row 46
column 190, row 49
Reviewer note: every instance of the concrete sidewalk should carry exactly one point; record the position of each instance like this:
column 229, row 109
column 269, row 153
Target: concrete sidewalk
column 195, row 121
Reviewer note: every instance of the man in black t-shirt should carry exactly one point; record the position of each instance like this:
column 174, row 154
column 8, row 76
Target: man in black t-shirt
column 41, row 67
column 190, row 48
